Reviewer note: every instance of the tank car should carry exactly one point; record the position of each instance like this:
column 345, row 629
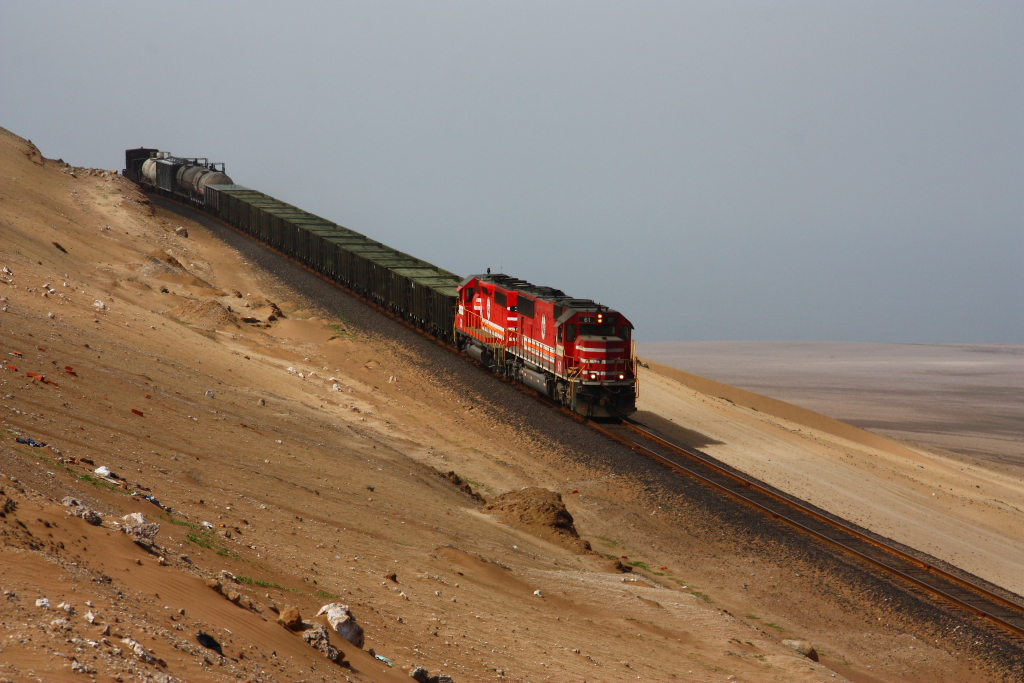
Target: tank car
column 183, row 178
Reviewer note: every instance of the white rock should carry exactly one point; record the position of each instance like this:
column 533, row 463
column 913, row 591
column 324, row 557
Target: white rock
column 339, row 616
column 538, row 593
column 90, row 617
column 292, row 370
column 136, row 649
column 43, row 602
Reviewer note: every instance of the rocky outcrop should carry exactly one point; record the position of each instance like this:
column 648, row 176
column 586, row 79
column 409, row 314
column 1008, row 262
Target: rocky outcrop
column 804, row 647
column 317, row 636
column 80, row 509
column 540, row 512
column 142, row 532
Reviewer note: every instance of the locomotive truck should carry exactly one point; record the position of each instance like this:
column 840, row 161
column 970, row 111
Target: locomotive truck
column 574, row 351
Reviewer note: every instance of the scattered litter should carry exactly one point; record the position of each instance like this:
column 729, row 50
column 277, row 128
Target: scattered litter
column 384, row 659
column 30, row 442
column 104, row 471
column 538, row 593
column 99, row 305
column 209, row 393
column 69, row 370
column 207, row 525
column 138, row 412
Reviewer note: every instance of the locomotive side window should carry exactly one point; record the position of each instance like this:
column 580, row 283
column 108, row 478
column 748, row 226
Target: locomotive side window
column 558, row 333
column 624, row 332
column 501, row 299
column 570, row 333
column 470, row 293
column 526, row 306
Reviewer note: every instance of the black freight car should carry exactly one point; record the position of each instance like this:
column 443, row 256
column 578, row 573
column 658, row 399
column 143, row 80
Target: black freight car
column 409, row 287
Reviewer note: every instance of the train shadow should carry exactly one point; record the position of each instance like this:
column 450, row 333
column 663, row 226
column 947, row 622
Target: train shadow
column 672, row 431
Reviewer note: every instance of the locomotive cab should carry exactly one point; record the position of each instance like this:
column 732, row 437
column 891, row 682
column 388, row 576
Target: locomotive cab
column 575, row 351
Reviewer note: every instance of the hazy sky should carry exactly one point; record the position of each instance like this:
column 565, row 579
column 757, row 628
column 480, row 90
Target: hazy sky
column 716, row 170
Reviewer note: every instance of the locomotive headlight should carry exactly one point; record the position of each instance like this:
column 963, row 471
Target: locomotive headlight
column 622, row 377
column 593, row 375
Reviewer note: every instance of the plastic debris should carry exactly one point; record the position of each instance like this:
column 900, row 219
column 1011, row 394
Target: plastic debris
column 384, row 659
column 30, row 442
column 103, row 471
column 138, row 412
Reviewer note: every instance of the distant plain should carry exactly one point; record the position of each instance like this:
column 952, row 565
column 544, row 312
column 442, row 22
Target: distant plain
column 964, row 398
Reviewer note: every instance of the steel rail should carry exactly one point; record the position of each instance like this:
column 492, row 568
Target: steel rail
column 745, row 483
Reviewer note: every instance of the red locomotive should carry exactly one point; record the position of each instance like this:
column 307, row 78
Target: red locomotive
column 575, row 351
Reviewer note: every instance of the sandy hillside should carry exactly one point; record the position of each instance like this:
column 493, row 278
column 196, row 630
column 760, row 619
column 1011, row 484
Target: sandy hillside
column 292, row 460
column 963, row 513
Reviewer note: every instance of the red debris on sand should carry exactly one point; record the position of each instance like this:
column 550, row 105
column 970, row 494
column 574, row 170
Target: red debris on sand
column 16, row 353
column 36, row 375
column 138, row 412
column 575, row 490
column 12, row 368
column 71, row 371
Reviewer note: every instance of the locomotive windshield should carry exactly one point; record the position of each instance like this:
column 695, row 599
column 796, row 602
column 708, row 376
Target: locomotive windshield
column 598, row 330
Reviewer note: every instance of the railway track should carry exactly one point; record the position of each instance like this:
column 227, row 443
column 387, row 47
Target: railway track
column 959, row 592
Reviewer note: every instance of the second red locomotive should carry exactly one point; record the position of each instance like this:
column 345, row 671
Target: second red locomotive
column 575, row 351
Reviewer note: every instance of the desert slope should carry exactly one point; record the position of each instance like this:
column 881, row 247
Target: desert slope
column 304, row 449
column 967, row 515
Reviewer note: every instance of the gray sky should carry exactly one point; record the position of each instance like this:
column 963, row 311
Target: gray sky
column 717, row 171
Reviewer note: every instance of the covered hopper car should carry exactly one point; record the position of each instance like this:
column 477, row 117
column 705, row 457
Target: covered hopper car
column 575, row 351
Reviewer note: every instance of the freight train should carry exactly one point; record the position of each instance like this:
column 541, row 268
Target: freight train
column 575, row 351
